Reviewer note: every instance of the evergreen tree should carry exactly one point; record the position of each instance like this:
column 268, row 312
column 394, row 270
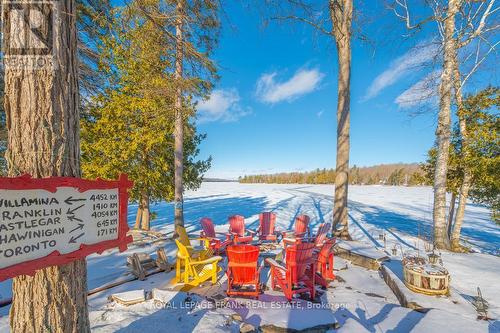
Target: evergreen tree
column 129, row 127
column 92, row 21
column 192, row 28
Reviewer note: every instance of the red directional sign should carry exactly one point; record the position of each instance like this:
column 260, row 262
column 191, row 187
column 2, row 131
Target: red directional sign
column 56, row 220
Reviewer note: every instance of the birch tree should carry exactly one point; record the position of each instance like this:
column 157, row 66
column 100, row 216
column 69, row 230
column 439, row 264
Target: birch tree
column 475, row 27
column 458, row 24
column 443, row 131
column 41, row 105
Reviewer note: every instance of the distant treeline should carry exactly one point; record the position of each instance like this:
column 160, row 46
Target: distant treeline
column 384, row 174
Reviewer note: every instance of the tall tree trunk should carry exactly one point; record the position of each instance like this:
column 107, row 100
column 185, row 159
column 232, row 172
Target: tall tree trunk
column 145, row 212
column 341, row 16
column 41, row 106
column 466, row 182
column 179, row 121
column 138, row 217
column 451, row 214
column 443, row 130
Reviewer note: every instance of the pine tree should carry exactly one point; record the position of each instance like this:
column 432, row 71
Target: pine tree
column 43, row 140
column 192, row 28
column 92, row 19
column 129, row 127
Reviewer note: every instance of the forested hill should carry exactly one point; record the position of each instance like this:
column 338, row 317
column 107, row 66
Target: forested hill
column 385, row 174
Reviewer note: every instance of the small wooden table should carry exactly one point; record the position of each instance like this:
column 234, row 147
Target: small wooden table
column 270, row 250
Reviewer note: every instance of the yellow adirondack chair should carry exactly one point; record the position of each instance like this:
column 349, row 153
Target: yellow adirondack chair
column 195, row 271
column 194, row 252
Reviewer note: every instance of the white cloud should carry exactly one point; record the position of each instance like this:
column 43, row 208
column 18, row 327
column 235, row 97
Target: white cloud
column 320, row 113
column 410, row 61
column 222, row 105
column 270, row 90
column 422, row 92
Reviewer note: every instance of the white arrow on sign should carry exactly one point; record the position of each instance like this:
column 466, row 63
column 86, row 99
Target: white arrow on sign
column 35, row 223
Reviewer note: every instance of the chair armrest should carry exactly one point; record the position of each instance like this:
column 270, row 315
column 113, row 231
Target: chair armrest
column 210, row 260
column 302, row 235
column 289, row 241
column 250, row 231
column 205, row 240
column 275, row 264
column 285, row 233
column 224, row 234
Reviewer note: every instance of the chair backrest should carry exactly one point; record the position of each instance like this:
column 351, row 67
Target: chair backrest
column 182, row 251
column 302, row 224
column 325, row 251
column 267, row 221
column 237, row 225
column 298, row 258
column 242, row 261
column 321, row 234
column 208, row 227
column 183, row 236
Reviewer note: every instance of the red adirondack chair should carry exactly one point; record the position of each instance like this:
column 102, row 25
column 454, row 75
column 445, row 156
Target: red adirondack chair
column 298, row 275
column 302, row 228
column 208, row 232
column 318, row 240
column 237, row 230
column 243, row 275
column 324, row 263
column 266, row 227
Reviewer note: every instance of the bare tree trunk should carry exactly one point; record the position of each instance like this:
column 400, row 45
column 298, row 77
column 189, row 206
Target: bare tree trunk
column 443, row 130
column 451, row 214
column 341, row 16
column 466, row 182
column 179, row 122
column 41, row 106
column 138, row 217
column 145, row 212
column 459, row 218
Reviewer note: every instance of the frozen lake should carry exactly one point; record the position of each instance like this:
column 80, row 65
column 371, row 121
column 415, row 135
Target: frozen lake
column 407, row 210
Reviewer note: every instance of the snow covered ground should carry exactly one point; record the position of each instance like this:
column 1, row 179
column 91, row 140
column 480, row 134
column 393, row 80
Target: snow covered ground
column 400, row 213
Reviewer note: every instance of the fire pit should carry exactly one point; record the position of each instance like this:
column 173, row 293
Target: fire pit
column 270, row 250
column 426, row 278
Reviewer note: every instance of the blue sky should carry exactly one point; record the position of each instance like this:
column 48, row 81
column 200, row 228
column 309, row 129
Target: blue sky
column 274, row 108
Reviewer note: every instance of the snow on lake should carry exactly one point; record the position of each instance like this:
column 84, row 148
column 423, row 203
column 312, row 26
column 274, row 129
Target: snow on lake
column 372, row 208
column 402, row 213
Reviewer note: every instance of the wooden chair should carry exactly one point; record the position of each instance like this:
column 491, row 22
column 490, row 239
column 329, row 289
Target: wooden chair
column 324, row 263
column 302, row 228
column 208, row 232
column 318, row 240
column 200, row 252
column 243, row 275
column 266, row 230
column 237, row 230
column 321, row 234
column 193, row 272
column 298, row 275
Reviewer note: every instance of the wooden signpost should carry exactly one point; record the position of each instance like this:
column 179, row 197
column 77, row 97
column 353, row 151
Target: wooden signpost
column 53, row 221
